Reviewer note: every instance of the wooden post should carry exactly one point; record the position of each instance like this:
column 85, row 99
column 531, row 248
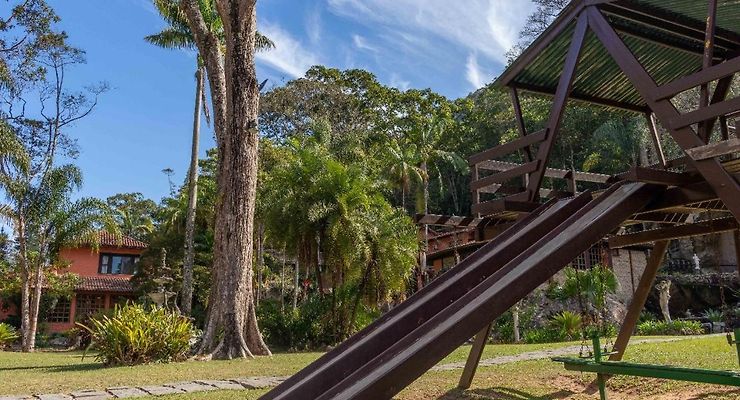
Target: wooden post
column 520, row 121
column 736, row 240
column 656, row 139
column 558, row 106
column 479, row 343
column 638, row 299
column 704, row 130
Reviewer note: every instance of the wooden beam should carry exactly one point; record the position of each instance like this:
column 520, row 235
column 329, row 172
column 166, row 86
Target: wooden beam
column 671, row 24
column 507, row 148
column 505, row 175
column 447, row 220
column 557, row 173
column 721, row 70
column 519, row 116
column 638, row 299
column 712, row 170
column 674, row 232
column 659, row 176
column 582, row 98
column 736, row 241
column 704, row 131
column 681, row 196
column 717, row 149
column 505, row 204
column 558, row 105
column 476, row 351
column 657, row 145
column 554, row 30
column 702, row 114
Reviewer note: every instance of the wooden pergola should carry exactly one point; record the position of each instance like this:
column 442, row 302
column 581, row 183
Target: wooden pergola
column 634, row 56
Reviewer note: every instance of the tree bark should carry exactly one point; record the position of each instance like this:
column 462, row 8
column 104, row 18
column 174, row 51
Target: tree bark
column 26, row 344
column 235, row 97
column 260, row 260
column 296, row 287
column 187, row 266
column 425, row 227
column 34, row 309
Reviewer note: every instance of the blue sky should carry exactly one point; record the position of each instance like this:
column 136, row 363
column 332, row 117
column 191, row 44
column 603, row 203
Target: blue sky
column 143, row 124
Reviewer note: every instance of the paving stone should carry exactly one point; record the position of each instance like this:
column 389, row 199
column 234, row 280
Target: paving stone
column 56, row 396
column 91, row 394
column 221, row 384
column 259, row 382
column 190, row 387
column 122, row 392
column 160, row 390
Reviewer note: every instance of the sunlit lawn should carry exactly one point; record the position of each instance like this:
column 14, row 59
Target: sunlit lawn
column 63, row 372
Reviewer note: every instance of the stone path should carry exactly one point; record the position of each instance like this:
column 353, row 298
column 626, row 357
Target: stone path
column 255, row 382
column 542, row 354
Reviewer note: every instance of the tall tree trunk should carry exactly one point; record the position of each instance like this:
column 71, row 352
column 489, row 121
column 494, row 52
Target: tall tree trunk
column 282, row 283
column 260, row 260
column 26, row 344
column 34, row 309
column 319, row 281
column 296, row 286
column 425, row 227
column 235, row 97
column 187, row 266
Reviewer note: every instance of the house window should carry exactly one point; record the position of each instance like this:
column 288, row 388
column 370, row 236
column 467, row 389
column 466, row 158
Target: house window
column 115, row 264
column 89, row 304
column 60, row 312
column 120, row 300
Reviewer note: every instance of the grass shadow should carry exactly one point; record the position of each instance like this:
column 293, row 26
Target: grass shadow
column 57, row 368
column 502, row 393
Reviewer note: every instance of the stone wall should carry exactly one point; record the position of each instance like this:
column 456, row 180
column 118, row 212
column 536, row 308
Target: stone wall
column 628, row 266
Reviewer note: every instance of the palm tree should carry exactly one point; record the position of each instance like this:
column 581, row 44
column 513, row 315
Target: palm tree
column 177, row 35
column 404, row 170
column 45, row 219
column 431, row 155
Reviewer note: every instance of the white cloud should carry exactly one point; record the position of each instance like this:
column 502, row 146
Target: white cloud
column 362, row 44
column 486, row 27
column 474, row 74
column 399, row 83
column 313, row 25
column 289, row 55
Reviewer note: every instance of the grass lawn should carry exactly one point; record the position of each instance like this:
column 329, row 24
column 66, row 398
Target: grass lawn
column 47, row 372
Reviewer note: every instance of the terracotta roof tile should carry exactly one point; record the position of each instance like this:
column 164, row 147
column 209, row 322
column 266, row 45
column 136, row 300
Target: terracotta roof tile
column 105, row 284
column 108, row 239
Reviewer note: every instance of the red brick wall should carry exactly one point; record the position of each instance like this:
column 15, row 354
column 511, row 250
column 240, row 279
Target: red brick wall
column 85, row 261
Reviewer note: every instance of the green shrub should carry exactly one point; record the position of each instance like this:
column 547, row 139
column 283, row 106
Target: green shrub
column 8, row 335
column 568, row 323
column 713, row 315
column 318, row 321
column 133, row 334
column 677, row 327
column 544, row 335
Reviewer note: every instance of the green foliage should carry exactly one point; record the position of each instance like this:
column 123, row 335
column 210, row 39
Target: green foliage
column 568, row 323
column 8, row 335
column 133, row 213
column 134, row 335
column 544, row 335
column 313, row 324
column 713, row 315
column 591, row 285
column 676, row 327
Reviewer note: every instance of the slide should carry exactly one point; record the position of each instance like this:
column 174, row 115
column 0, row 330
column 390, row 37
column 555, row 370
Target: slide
column 392, row 352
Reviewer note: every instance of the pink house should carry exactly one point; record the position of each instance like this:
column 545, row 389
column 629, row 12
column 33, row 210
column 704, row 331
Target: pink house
column 105, row 280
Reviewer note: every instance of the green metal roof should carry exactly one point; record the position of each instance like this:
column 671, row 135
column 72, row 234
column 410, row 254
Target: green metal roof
column 665, row 35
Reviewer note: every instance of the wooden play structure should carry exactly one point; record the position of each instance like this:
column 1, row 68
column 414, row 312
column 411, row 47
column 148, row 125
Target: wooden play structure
column 630, row 55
